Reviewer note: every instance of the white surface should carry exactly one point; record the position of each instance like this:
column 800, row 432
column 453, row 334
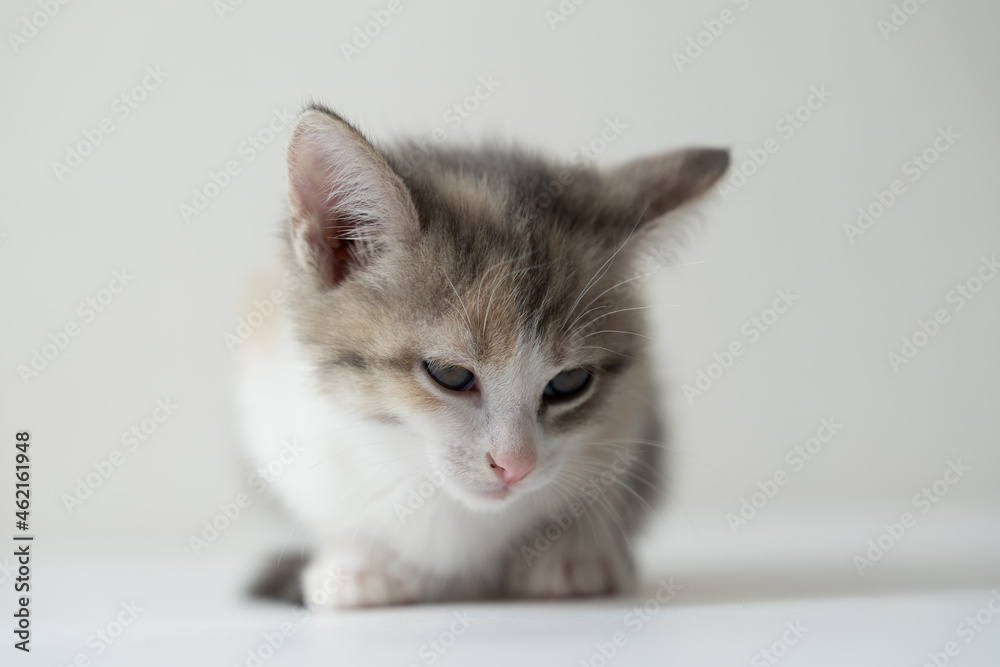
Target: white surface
column 163, row 336
column 731, row 601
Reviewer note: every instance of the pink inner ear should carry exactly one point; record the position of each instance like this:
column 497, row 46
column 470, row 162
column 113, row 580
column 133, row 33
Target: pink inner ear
column 344, row 197
column 333, row 253
column 314, row 214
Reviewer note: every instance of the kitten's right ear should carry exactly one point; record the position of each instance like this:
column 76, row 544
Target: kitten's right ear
column 651, row 187
column 346, row 201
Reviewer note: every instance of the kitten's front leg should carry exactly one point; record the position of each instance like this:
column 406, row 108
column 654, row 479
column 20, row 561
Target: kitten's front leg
column 344, row 578
column 575, row 563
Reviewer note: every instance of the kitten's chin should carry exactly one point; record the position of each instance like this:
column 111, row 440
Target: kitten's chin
column 488, row 499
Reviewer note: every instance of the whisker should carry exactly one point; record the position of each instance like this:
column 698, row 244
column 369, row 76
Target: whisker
column 287, row 540
column 584, row 326
column 499, row 282
column 597, row 347
column 645, row 275
column 466, row 317
column 611, row 331
column 603, row 269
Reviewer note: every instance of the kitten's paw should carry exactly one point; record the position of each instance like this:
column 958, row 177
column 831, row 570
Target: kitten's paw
column 332, row 584
column 568, row 572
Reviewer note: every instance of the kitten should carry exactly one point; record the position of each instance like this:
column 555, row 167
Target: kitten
column 461, row 361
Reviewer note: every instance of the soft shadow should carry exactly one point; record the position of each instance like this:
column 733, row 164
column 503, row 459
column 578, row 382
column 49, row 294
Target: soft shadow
column 783, row 582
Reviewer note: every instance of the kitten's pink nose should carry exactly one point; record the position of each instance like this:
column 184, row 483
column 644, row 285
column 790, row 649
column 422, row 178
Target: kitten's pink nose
column 513, row 468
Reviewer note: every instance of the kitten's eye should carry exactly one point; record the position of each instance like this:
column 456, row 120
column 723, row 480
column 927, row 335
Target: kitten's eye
column 451, row 377
column 567, row 383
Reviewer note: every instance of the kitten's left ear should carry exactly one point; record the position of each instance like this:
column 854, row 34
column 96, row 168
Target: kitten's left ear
column 346, row 201
column 653, row 186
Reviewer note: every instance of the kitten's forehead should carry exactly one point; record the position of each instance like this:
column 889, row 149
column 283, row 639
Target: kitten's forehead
column 512, row 275
column 530, row 306
column 471, row 194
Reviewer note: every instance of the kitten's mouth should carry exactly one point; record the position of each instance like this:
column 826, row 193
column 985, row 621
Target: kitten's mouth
column 495, row 493
column 485, row 497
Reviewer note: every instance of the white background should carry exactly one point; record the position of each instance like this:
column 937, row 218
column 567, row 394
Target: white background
column 783, row 229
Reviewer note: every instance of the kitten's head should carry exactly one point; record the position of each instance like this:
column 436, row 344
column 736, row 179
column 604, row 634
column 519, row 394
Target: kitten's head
column 481, row 299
